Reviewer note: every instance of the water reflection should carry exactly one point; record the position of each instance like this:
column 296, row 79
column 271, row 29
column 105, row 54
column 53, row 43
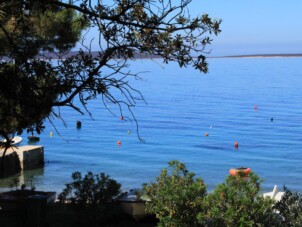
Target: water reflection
column 33, row 142
column 28, row 177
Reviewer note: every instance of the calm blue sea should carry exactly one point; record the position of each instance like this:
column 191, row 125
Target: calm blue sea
column 182, row 105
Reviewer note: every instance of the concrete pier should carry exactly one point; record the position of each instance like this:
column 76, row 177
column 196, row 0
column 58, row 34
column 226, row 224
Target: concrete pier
column 22, row 158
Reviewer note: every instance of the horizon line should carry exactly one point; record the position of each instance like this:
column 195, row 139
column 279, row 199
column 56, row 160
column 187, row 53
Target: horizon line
column 54, row 55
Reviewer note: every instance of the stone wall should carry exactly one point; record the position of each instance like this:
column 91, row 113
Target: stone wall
column 22, row 158
column 31, row 157
column 12, row 164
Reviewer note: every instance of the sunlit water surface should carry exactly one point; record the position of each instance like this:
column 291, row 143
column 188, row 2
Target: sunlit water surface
column 256, row 102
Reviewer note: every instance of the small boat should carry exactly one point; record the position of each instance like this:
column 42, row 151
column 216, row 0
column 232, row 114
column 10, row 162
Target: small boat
column 16, row 140
column 33, row 138
column 275, row 194
column 242, row 170
column 133, row 205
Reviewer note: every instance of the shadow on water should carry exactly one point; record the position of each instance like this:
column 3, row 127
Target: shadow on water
column 30, row 142
column 212, row 147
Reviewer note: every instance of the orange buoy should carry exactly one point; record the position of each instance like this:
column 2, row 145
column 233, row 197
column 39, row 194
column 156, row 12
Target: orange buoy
column 241, row 170
column 119, row 142
column 121, row 117
column 206, row 134
column 236, row 145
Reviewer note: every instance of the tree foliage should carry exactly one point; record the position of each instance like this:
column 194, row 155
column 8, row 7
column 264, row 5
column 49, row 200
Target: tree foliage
column 290, row 208
column 126, row 28
column 27, row 27
column 176, row 196
column 238, row 202
column 94, row 189
column 30, row 85
column 27, row 83
column 22, row 95
column 179, row 198
column 91, row 199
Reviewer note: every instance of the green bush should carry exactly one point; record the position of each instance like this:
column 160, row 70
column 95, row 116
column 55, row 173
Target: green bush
column 176, row 197
column 179, row 199
column 290, row 208
column 91, row 197
column 92, row 189
column 238, row 202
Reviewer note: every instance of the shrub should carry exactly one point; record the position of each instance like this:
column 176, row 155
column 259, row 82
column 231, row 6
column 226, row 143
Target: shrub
column 176, row 196
column 290, row 208
column 91, row 197
column 237, row 202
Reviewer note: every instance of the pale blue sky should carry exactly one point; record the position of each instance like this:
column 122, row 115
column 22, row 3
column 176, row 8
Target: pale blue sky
column 254, row 26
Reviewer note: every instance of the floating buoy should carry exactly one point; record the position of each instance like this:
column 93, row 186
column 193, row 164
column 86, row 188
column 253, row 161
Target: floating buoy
column 242, row 170
column 50, row 134
column 128, row 132
column 121, row 117
column 79, row 124
column 206, row 134
column 119, row 142
column 236, row 145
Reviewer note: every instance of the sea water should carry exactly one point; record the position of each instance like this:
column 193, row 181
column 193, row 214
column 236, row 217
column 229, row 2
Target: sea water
column 254, row 101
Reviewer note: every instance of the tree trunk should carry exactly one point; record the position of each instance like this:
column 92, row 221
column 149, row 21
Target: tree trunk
column 7, row 145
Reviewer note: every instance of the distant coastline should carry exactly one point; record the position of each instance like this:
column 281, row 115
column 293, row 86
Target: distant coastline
column 145, row 56
column 95, row 54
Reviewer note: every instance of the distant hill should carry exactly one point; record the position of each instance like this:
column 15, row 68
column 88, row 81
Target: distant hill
column 93, row 53
column 51, row 55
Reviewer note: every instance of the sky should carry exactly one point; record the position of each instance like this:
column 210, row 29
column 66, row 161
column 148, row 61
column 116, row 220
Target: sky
column 254, row 26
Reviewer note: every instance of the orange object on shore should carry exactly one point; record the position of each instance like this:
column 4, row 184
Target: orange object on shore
column 242, row 170
column 236, row 145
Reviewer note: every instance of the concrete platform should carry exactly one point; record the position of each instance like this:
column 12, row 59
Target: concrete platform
column 22, row 158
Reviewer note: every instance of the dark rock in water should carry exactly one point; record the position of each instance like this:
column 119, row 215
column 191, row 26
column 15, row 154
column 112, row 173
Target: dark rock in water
column 79, row 124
